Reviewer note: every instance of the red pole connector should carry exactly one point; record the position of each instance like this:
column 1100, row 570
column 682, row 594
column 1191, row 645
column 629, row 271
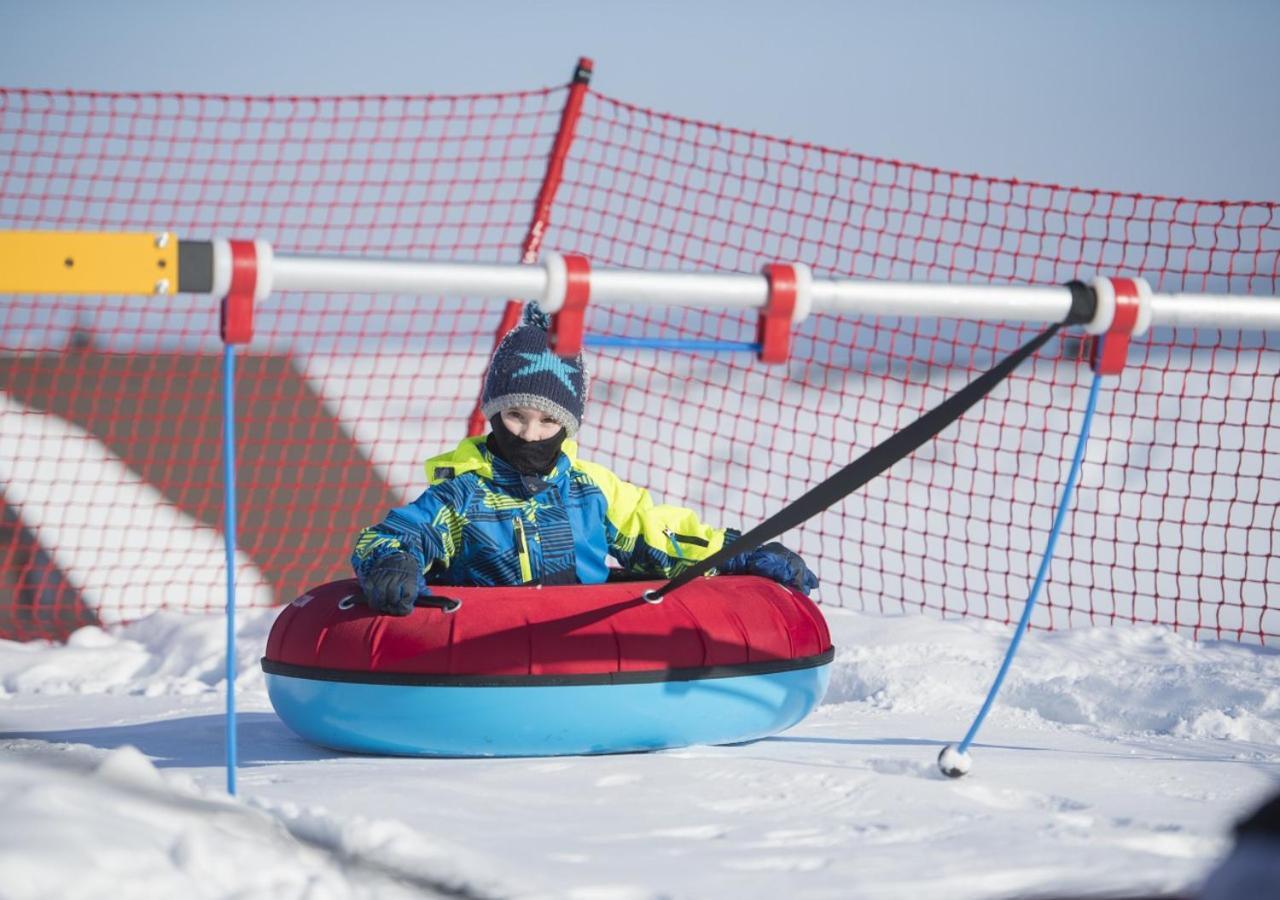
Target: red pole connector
column 237, row 306
column 773, row 333
column 568, row 323
column 1124, row 310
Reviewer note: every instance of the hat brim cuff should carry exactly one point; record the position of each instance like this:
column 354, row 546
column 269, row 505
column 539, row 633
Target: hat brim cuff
column 492, row 407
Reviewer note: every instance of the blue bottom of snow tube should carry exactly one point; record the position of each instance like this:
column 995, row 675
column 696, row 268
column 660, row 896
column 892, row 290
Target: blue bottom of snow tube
column 544, row 719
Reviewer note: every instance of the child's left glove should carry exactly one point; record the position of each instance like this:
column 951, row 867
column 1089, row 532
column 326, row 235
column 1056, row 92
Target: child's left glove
column 776, row 562
column 392, row 584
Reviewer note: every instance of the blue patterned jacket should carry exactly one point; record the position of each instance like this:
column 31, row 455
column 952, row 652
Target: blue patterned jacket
column 482, row 523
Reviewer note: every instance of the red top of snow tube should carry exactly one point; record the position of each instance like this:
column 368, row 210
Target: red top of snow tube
column 578, row 630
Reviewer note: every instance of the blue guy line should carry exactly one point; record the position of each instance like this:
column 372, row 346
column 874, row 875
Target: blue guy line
column 229, row 530
column 671, row 344
column 1043, row 572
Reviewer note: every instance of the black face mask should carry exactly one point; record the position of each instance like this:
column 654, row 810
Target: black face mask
column 526, row 457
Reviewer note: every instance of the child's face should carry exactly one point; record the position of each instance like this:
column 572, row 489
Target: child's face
column 529, row 424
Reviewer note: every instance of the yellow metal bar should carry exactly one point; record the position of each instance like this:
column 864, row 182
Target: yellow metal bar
column 73, row 262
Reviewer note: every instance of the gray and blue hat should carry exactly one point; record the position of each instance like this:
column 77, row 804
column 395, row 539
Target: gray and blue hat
column 525, row 371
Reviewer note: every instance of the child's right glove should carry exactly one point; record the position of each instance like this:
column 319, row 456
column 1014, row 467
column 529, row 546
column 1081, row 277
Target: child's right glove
column 774, row 561
column 392, row 584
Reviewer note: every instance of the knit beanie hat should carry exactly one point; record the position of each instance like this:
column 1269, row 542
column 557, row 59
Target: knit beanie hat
column 525, row 371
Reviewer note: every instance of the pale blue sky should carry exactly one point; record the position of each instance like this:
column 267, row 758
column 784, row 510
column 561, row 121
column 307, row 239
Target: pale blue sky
column 1171, row 97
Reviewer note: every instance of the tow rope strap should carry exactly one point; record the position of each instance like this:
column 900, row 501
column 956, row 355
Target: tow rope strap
column 874, row 461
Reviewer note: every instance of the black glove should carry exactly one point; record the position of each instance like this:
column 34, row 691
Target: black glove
column 392, row 584
column 774, row 561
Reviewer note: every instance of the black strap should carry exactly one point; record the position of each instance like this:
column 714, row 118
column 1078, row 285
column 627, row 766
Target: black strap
column 864, row 468
column 435, row 601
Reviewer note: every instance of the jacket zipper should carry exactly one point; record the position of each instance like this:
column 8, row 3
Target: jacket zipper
column 522, row 552
column 677, row 539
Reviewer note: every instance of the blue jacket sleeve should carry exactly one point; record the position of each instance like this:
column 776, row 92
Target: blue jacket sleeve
column 427, row 529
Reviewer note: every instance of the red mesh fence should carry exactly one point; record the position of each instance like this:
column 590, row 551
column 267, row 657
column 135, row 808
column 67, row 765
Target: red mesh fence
column 110, row 427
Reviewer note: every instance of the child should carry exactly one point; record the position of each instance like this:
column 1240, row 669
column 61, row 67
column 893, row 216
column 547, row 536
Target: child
column 519, row 507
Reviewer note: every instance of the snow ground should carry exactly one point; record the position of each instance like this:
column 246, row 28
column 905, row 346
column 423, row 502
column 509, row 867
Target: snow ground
column 1117, row 760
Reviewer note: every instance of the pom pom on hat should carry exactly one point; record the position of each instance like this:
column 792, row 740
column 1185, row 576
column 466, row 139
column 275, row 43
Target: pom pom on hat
column 536, row 316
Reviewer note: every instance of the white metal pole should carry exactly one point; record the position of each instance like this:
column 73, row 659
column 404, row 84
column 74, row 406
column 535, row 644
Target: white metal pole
column 1002, row 302
column 1230, row 311
column 949, row 301
column 337, row 275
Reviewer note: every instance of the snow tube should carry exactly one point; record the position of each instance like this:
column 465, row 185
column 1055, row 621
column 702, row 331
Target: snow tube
column 545, row 671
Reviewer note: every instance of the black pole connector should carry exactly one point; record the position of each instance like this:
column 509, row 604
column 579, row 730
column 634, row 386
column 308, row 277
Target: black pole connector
column 195, row 267
column 1084, row 303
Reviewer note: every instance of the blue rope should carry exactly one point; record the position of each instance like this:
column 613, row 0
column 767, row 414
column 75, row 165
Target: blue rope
column 229, row 504
column 670, row 344
column 1044, row 565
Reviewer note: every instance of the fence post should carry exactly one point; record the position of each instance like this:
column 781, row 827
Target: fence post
column 542, row 206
